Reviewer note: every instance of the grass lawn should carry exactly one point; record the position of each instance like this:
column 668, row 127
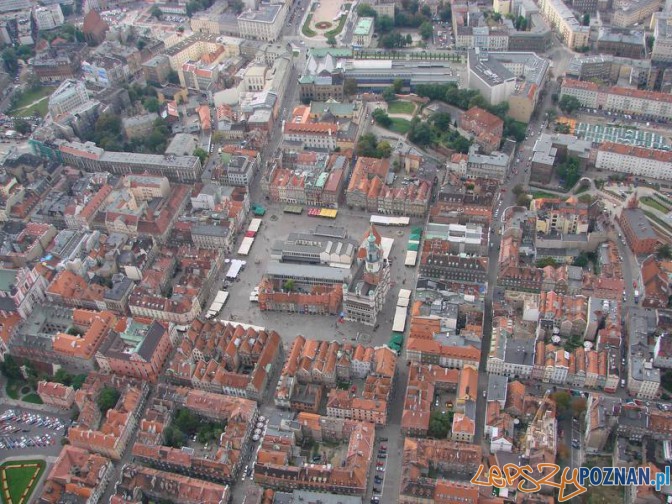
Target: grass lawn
column 306, row 30
column 29, row 97
column 41, row 108
column 653, row 203
column 400, row 107
column 18, row 477
column 12, row 389
column 339, row 28
column 32, row 398
column 542, row 194
column 400, row 126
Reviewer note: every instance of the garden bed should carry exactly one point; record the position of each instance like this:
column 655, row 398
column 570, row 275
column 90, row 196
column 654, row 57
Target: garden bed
column 19, row 479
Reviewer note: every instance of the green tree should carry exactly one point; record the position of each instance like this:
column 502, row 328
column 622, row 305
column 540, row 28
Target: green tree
column 156, row 12
column 445, row 13
column 547, row 261
column 200, row 154
column 497, row 17
column 366, row 145
column 10, row 60
column 350, row 87
column 585, row 20
column 387, row 40
column 173, row 437
column 365, row 10
column 108, row 399
column 518, row 190
column 562, row 401
column 569, row 104
column 578, row 406
column 151, row 104
column 384, row 24
column 397, row 85
column 426, row 11
column 426, row 30
column 650, row 39
column 381, row 118
column 388, row 94
column 569, row 172
column 581, row 261
column 289, row 285
column 186, row 422
column 441, row 120
column 383, row 149
column 10, row 368
column 25, row 52
column 514, row 129
column 420, row 132
column 109, row 123
column 664, row 252
column 523, row 200
column 439, row 424
column 140, row 44
column 22, row 126
column 331, row 40
column 173, row 77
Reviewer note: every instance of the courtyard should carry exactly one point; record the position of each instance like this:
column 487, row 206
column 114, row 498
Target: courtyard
column 326, row 18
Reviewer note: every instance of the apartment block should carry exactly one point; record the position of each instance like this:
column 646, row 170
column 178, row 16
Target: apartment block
column 486, row 128
column 451, row 465
column 161, row 485
column 619, row 99
column 325, row 364
column 240, row 416
column 640, row 235
column 635, row 11
column 563, row 21
column 110, row 435
column 67, row 97
column 277, row 467
column 62, row 336
column 89, row 157
column 77, row 473
column 56, row 394
column 136, row 349
column 237, row 362
column 632, row 160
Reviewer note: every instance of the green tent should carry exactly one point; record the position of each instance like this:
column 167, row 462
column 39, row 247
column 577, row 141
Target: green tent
column 415, row 247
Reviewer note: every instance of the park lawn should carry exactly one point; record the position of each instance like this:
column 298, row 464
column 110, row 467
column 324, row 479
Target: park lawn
column 655, row 204
column 18, row 479
column 29, row 97
column 40, row 108
column 339, row 28
column 542, row 194
column 400, row 107
column 32, row 398
column 400, row 126
column 306, row 30
column 12, row 389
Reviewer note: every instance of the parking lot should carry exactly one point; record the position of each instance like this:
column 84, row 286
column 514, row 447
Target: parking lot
column 30, row 432
column 321, row 327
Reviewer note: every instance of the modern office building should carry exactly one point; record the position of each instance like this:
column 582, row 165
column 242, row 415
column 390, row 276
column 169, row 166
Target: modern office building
column 69, row 95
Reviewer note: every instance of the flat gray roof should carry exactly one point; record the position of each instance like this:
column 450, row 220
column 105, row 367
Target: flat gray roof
column 307, row 271
column 265, row 14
